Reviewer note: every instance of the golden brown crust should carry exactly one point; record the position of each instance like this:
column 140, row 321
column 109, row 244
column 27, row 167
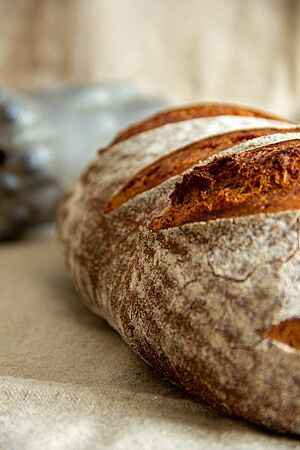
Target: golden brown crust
column 287, row 332
column 191, row 112
column 181, row 160
column 263, row 180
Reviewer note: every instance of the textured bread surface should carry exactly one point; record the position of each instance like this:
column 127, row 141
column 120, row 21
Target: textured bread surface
column 181, row 160
column 191, row 112
column 287, row 332
column 184, row 236
column 265, row 180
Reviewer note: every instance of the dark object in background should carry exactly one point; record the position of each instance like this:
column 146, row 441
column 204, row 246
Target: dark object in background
column 47, row 137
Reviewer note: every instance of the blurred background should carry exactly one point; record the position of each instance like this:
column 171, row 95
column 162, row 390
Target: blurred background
column 171, row 51
column 234, row 50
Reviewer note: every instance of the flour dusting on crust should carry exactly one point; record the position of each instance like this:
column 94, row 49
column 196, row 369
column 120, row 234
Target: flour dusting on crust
column 193, row 301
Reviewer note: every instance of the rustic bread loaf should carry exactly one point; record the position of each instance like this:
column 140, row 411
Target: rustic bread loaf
column 184, row 235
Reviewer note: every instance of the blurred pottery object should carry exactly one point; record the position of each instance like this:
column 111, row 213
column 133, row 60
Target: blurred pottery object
column 47, row 137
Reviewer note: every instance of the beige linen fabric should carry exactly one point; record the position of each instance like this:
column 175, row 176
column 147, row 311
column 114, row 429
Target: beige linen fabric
column 233, row 50
column 68, row 382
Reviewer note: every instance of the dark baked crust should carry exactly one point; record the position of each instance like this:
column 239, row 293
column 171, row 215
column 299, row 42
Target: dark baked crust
column 180, row 160
column 191, row 112
column 287, row 332
column 263, row 180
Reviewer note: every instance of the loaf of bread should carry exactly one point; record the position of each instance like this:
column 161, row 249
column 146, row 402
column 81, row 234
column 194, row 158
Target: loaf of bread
column 184, row 235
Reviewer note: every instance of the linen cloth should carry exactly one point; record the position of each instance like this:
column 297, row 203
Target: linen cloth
column 68, row 382
column 193, row 50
